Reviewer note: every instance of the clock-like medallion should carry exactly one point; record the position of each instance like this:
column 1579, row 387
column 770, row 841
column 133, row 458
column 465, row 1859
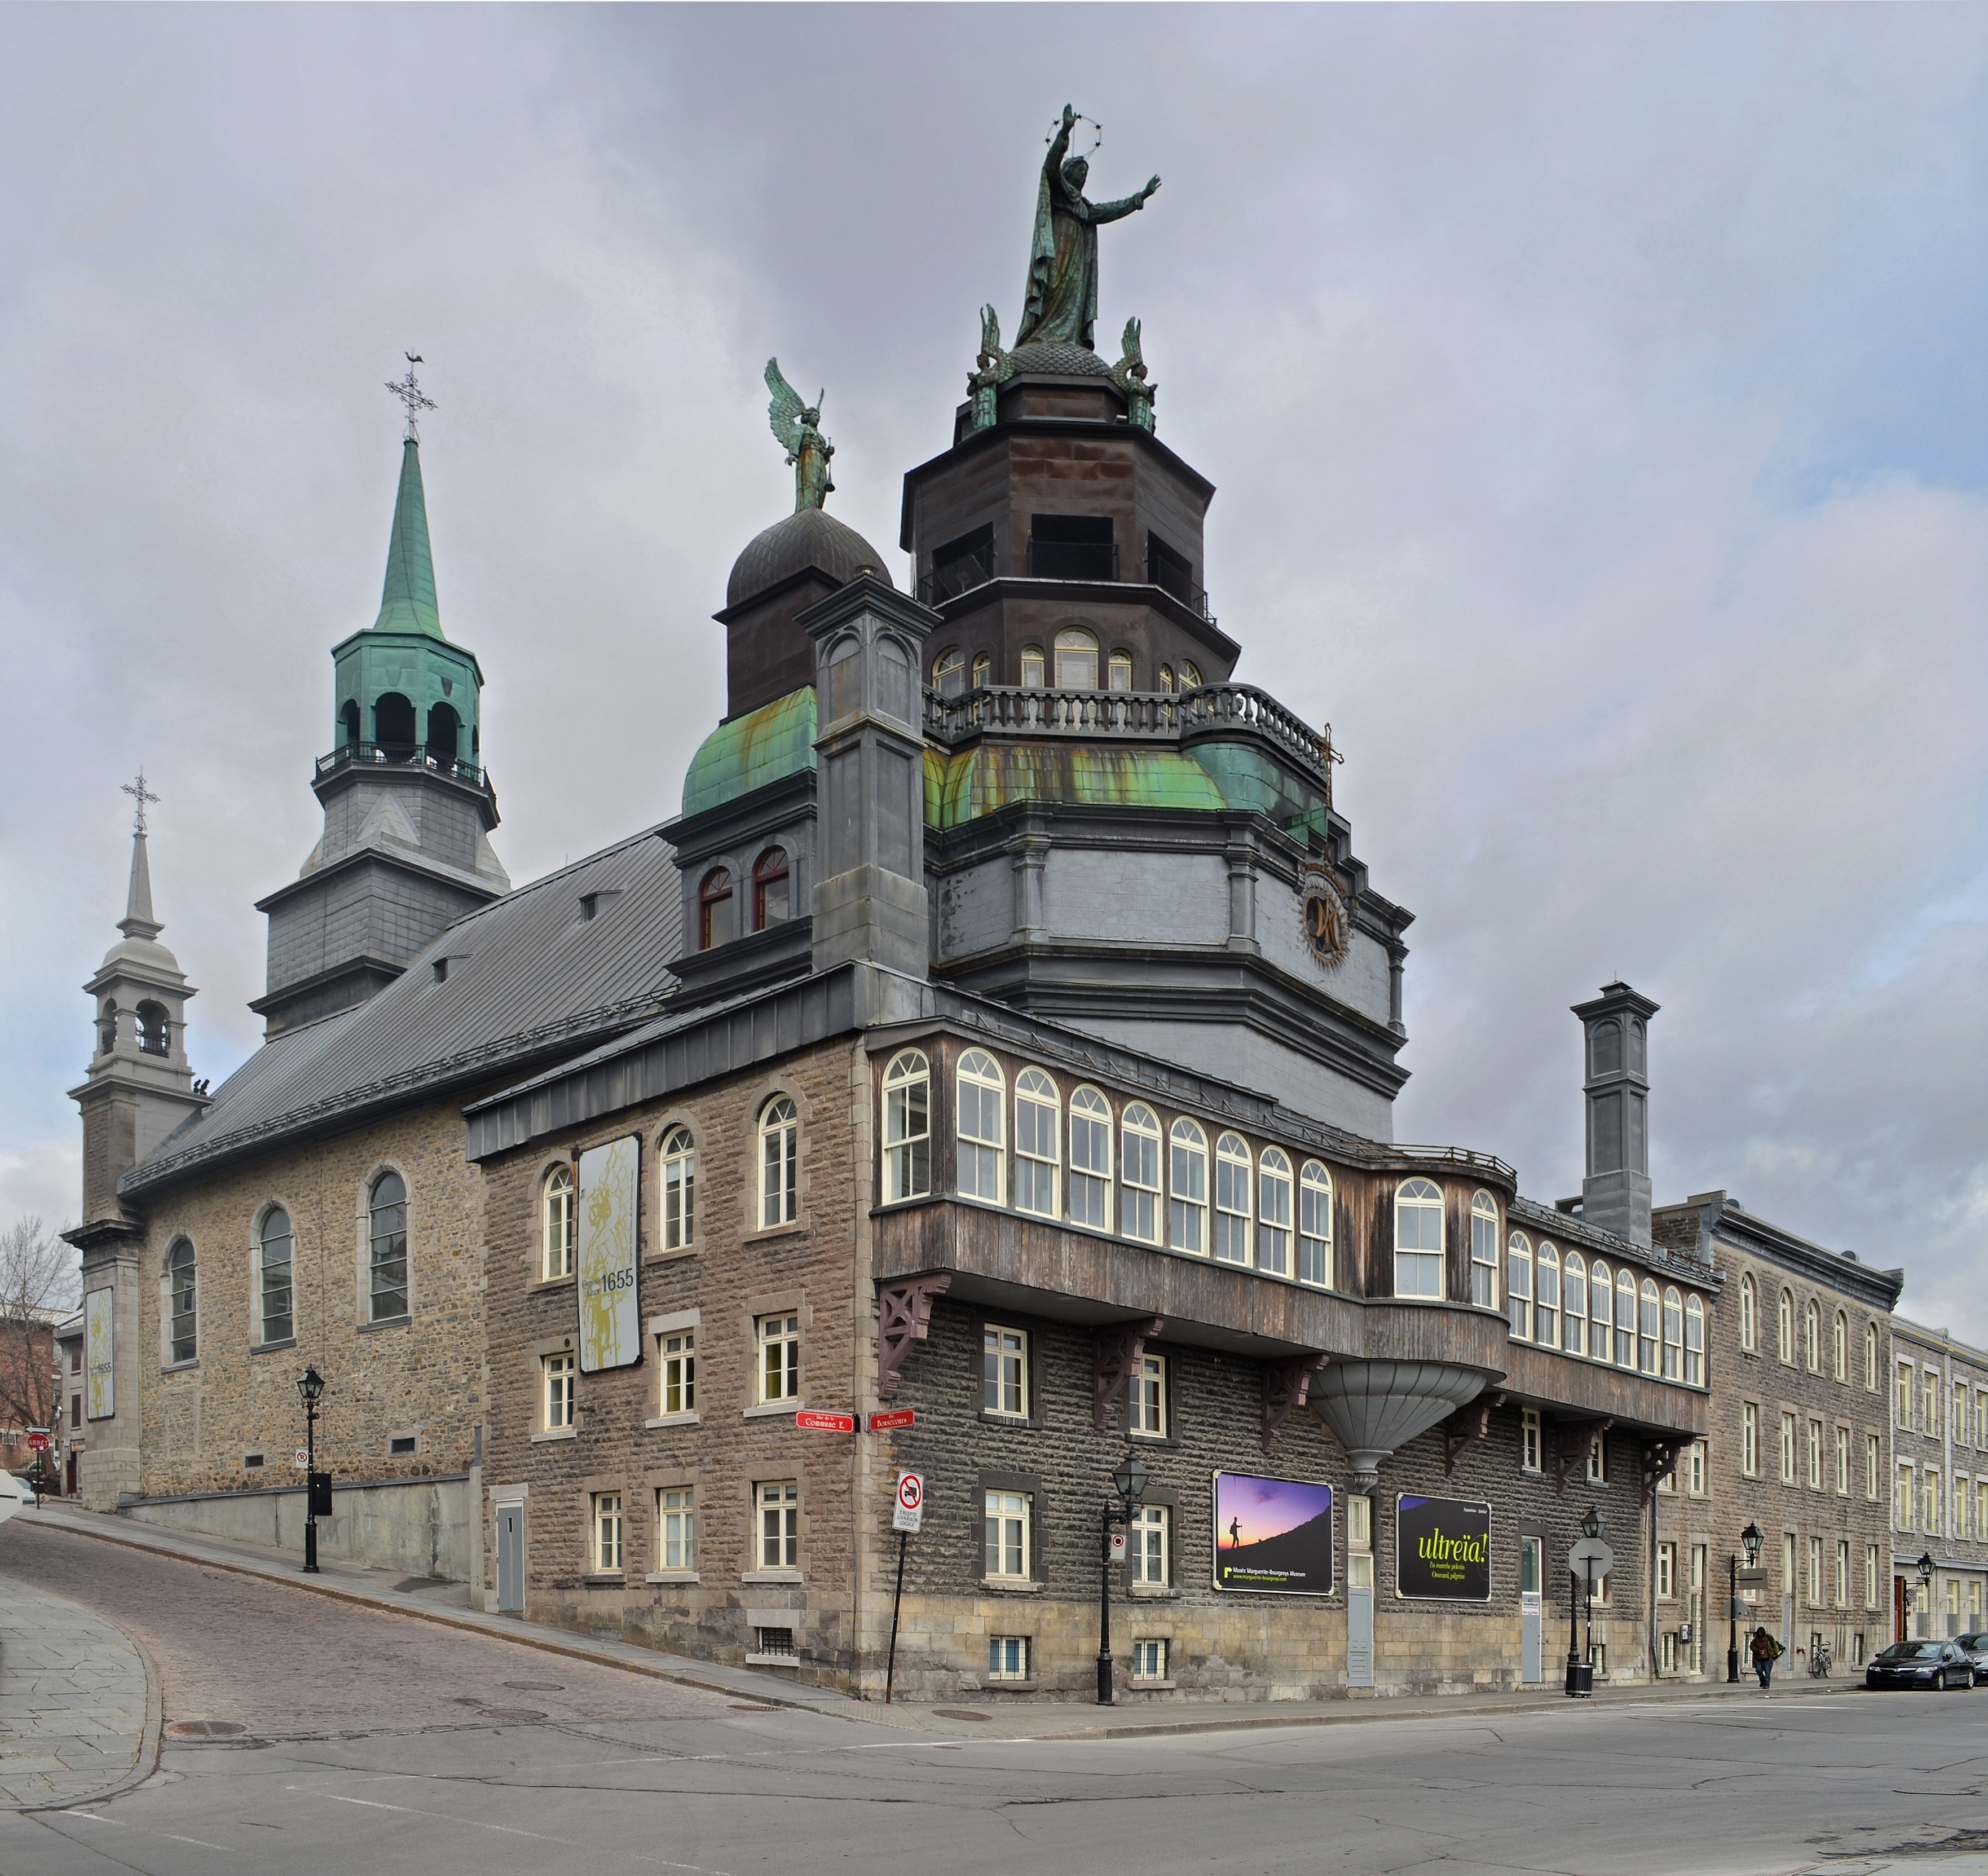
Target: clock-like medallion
column 1328, row 930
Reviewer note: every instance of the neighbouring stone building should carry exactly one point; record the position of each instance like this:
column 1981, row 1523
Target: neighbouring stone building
column 1938, row 1490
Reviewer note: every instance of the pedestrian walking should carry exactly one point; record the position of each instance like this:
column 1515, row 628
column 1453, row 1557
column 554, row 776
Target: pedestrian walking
column 1765, row 1650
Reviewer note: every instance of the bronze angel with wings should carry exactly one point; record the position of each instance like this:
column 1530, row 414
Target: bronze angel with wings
column 796, row 425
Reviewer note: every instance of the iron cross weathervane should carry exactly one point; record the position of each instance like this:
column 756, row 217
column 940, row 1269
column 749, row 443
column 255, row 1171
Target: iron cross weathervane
column 144, row 795
column 410, row 394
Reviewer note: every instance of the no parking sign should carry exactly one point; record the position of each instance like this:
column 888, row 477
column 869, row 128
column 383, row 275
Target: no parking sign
column 910, row 1513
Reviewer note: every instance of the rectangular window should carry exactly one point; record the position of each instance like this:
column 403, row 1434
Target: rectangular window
column 1529, row 1439
column 1870, row 1576
column 1959, row 1422
column 1788, row 1586
column 1815, row 1455
column 1749, row 1439
column 1666, row 1571
column 606, row 1531
column 1931, row 1429
column 1148, row 1410
column 779, row 1358
column 1314, row 1226
column 1903, row 1401
column 1843, row 1572
column 1149, row 1546
column 1960, row 1503
column 906, row 1127
column 1007, row 1658
column 769, row 1641
column 1870, row 1466
column 1842, row 1462
column 676, row 1528
column 1667, row 1652
column 1815, row 1573
column 1981, row 1507
column 1695, row 1464
column 1787, row 1449
column 1981, row 1419
column 1004, row 1372
column 676, row 1363
column 1006, row 1534
column 1901, row 1500
column 558, row 1373
column 277, row 1324
column 779, row 1525
column 1149, row 1660
column 1597, row 1461
column 1359, row 1523
column 1930, row 1499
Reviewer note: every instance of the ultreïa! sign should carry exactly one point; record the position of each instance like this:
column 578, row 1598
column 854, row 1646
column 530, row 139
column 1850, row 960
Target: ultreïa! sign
column 611, row 1326
column 1442, row 1550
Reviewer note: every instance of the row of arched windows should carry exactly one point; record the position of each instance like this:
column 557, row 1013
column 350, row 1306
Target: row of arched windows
column 718, row 908
column 1559, row 1300
column 1804, row 1344
column 1074, row 659
column 152, row 1026
column 395, row 734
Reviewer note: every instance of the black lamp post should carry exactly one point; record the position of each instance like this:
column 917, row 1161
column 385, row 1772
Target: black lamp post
column 1590, row 1528
column 1753, row 1537
column 1925, row 1586
column 1130, row 1483
column 310, row 1385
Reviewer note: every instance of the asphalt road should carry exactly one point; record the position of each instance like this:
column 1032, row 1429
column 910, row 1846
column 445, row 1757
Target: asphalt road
column 411, row 1757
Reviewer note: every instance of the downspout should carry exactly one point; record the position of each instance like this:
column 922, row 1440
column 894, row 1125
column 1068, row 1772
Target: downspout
column 1650, row 1586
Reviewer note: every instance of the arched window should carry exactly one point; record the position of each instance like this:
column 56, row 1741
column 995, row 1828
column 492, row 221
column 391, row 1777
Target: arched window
column 180, row 1302
column 1076, row 659
column 1545, row 1284
column 1232, row 1206
column 1812, row 1338
column 1784, row 1328
column 1167, row 679
column 273, row 1296
column 1673, row 1335
column 1625, row 1320
column 1519, row 1284
column 1839, row 1347
column 1573, row 1337
column 556, row 1220
column 1038, row 1142
column 772, row 888
column 1600, row 1306
column 1315, row 1225
column 679, row 1188
column 393, row 726
column 907, row 1126
column 1139, row 1174
column 1119, row 671
column 1608, row 1046
column 1418, row 1239
column 386, row 1274
column 1190, row 676
column 1484, row 1251
column 1091, row 1160
column 981, row 1095
column 1748, row 1331
column 983, row 670
column 949, row 671
column 155, row 1030
column 1273, row 1212
column 1032, row 667
column 1650, row 1354
column 445, row 735
column 106, row 1027
column 779, row 1163
column 1871, row 1357
column 1187, row 1187
column 348, row 723
column 1694, row 1342
column 714, row 908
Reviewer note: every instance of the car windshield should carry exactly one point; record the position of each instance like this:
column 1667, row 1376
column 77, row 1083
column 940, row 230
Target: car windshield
column 1911, row 1650
column 1972, row 1641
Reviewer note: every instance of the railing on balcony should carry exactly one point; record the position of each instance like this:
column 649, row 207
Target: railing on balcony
column 949, row 579
column 1055, row 560
column 1171, row 574
column 402, row 755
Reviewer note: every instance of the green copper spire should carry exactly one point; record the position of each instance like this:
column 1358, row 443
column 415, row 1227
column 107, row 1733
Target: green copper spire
column 407, row 603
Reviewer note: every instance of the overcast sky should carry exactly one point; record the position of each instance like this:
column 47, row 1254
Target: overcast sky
column 1595, row 398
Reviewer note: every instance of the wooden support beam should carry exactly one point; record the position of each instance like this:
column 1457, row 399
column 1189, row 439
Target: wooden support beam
column 1572, row 1441
column 1116, row 1352
column 904, row 1315
column 1286, row 1384
column 1471, row 1421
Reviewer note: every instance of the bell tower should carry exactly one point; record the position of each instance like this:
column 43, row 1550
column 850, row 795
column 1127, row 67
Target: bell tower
column 1615, row 1194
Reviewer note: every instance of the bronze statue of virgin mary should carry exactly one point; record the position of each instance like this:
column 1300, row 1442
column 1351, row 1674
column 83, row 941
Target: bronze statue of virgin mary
column 1061, row 304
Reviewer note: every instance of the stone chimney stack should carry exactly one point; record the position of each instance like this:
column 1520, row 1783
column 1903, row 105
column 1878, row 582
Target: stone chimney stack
column 1615, row 1194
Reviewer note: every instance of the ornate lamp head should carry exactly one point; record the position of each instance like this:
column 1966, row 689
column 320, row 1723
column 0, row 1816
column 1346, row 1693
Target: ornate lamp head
column 310, row 1385
column 1130, row 1479
column 1753, row 1537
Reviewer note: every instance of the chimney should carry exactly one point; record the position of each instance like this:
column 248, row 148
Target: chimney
column 1615, row 1194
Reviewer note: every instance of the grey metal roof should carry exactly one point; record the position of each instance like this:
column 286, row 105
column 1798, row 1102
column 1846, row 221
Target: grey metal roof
column 527, row 976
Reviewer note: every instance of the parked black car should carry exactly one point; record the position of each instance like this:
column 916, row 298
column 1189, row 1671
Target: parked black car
column 1975, row 1647
column 1920, row 1664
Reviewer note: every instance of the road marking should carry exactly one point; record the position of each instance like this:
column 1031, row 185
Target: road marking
column 94, row 1818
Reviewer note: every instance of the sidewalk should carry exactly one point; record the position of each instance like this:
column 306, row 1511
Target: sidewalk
column 79, row 1703
column 1137, row 1714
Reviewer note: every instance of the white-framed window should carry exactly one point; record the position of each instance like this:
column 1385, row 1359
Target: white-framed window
column 1038, row 1143
column 1695, row 1468
column 1148, row 1391
column 983, row 670
column 557, row 1373
column 949, row 671
column 779, row 1363
column 1842, row 1462
column 1842, row 1598
column 1139, row 1174
column 1546, row 1310
column 1650, row 1341
column 1008, row 1657
column 1815, row 1455
column 1815, row 1587
column 1519, row 1286
column 1902, row 1400
column 387, row 1272
column 1273, row 1212
column 1872, row 1466
column 676, row 1528
column 1484, row 1251
column 1870, row 1358
column 1870, row 1576
column 1090, row 1159
column 1574, row 1298
column 1119, row 672
column 1529, row 1439
column 1032, row 667
column 1812, row 1338
column 779, row 1163
column 1597, row 1463
column 1901, row 1500
column 1932, row 1526
column 1004, row 1371
column 1839, row 1347
column 1981, row 1507
column 1315, row 1225
column 1694, row 1342
column 1076, row 659
column 275, row 1318
column 1148, row 1547
column 780, row 1507
column 1673, row 1335
column 1187, row 1187
column 1601, row 1304
column 1931, row 1429
column 1233, row 1178
column 1787, row 1449
column 1625, row 1320
column 676, row 1369
column 907, row 1126
column 557, row 1224
column 1666, row 1571
column 1418, row 1239
column 679, row 1177
column 1749, row 1333
column 981, row 1094
column 1149, row 1659
column 1784, row 1329
column 1006, row 1535
column 607, row 1523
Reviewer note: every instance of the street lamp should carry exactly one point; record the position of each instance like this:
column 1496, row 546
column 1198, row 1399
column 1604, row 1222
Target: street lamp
column 310, row 1386
column 1925, row 1588
column 1130, row 1483
column 1753, row 1537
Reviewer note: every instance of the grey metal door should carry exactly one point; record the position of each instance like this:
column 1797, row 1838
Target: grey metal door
column 1530, row 1550
column 510, row 1559
column 1360, row 1623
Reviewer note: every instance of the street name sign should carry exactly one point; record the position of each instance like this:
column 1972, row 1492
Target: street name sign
column 825, row 1423
column 896, row 1417
column 909, row 1512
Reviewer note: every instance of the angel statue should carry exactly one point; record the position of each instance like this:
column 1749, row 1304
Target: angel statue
column 1129, row 374
column 1062, row 294
column 996, row 367
column 796, row 426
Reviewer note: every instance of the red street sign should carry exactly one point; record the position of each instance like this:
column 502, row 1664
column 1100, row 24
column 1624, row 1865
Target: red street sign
column 825, row 1423
column 38, row 1442
column 897, row 1417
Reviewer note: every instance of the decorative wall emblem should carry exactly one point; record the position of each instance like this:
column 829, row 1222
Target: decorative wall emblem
column 1328, row 930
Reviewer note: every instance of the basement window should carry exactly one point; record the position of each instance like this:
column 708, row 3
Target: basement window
column 401, row 1445
column 775, row 1641
column 252, row 1462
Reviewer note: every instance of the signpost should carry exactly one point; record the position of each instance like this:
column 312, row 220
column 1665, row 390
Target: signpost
column 38, row 1439
column 1590, row 1555
column 908, row 1517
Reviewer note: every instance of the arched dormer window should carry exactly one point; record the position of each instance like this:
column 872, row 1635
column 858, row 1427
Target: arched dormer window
column 1090, row 1183
column 556, row 1222
column 908, row 1125
column 949, row 671
column 1273, row 1212
column 155, row 1030
column 1519, row 1284
column 348, row 723
column 779, row 1163
column 980, row 1096
column 274, row 1297
column 1600, row 1308
column 714, row 908
column 393, row 726
column 1748, row 1320
column 445, row 735
column 106, row 1027
column 1139, row 1174
column 1038, row 1142
column 1694, row 1342
column 387, row 1206
column 1673, row 1335
column 1076, row 659
column 1650, row 1325
column 772, row 888
column 1484, row 1251
column 679, row 1188
column 1418, row 1240
column 1573, row 1332
column 1625, row 1320
column 1187, row 1187
column 1233, row 1208
column 1546, row 1283
column 182, row 1299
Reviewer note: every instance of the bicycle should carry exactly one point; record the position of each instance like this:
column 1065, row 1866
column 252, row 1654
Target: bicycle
column 1819, row 1661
